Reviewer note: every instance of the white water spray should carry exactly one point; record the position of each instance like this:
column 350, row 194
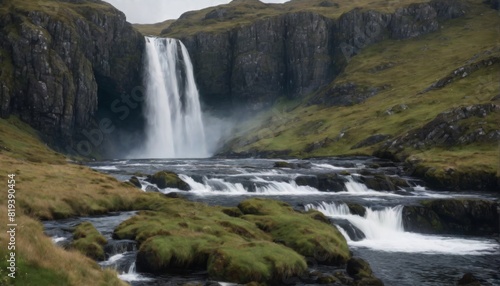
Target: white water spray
column 173, row 113
column 384, row 231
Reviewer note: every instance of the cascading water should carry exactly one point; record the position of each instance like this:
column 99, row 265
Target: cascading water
column 173, row 113
column 384, row 231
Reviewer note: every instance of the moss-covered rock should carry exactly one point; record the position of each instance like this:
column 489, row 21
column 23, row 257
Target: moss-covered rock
column 421, row 219
column 307, row 236
column 262, row 240
column 283, row 164
column 357, row 209
column 269, row 262
column 362, row 273
column 166, row 179
column 89, row 241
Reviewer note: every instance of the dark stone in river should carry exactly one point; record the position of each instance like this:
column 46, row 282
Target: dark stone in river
column 331, row 182
column 453, row 216
column 135, row 181
column 469, row 280
column 381, row 182
column 114, row 247
column 357, row 209
column 166, row 179
column 354, row 233
column 362, row 273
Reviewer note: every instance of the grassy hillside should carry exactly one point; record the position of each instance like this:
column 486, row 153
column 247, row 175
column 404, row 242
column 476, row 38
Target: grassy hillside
column 153, row 29
column 400, row 71
column 48, row 186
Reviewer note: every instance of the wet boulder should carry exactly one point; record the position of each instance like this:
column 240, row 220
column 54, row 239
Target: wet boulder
column 152, row 189
column 421, row 219
column 289, row 165
column 331, row 182
column 362, row 273
column 453, row 216
column 114, row 247
column 353, row 232
column 89, row 241
column 469, row 280
column 135, row 181
column 381, row 182
column 356, row 209
column 166, row 179
column 311, row 181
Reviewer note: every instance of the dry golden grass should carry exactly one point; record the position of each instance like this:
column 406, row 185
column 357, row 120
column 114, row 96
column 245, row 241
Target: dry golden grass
column 48, row 186
column 36, row 251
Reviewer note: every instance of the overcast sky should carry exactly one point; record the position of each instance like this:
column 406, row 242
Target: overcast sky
column 154, row 11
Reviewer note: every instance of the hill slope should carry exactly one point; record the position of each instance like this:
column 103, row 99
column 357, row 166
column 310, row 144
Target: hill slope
column 393, row 89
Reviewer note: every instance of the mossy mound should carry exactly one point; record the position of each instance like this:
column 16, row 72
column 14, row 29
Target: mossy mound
column 304, row 234
column 166, row 179
column 232, row 244
column 89, row 241
column 269, row 262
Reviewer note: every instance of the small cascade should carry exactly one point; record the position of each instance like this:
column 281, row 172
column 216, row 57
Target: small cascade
column 131, row 275
column 383, row 230
column 257, row 186
column 173, row 113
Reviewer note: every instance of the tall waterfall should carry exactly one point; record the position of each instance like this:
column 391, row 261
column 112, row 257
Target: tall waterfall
column 173, row 114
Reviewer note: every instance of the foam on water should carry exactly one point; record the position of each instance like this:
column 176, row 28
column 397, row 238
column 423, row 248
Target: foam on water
column 384, row 231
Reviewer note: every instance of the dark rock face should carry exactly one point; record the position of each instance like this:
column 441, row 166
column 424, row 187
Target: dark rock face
column 372, row 140
column 453, row 216
column 456, row 127
column 345, row 94
column 446, row 130
column 250, row 66
column 51, row 66
column 463, row 72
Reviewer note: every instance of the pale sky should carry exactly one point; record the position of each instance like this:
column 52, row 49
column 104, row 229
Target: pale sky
column 154, row 11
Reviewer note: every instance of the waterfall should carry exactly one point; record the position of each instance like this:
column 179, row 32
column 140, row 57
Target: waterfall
column 173, row 113
column 384, row 231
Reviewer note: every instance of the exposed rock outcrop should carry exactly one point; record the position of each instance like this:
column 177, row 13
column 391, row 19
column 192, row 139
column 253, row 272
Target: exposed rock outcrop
column 474, row 124
column 296, row 53
column 58, row 56
column 453, row 216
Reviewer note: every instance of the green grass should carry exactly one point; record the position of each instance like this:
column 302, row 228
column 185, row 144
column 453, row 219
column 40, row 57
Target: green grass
column 153, row 29
column 89, row 241
column 176, row 234
column 31, row 275
column 417, row 64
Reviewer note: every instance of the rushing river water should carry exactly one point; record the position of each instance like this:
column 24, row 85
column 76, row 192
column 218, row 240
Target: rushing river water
column 396, row 256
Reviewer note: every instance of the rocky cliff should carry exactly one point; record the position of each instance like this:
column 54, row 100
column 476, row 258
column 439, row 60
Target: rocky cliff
column 292, row 54
column 58, row 56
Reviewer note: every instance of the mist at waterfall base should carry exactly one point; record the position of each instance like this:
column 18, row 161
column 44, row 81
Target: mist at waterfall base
column 175, row 127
